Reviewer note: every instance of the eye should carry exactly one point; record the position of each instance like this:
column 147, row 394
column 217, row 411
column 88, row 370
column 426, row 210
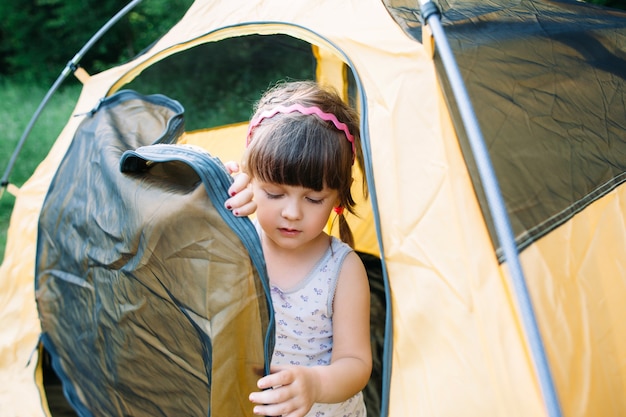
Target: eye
column 271, row 196
column 315, row 200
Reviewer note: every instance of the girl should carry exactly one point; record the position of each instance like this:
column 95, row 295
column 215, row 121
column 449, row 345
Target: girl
column 302, row 143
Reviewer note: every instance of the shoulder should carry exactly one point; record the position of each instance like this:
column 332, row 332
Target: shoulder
column 352, row 279
column 353, row 266
column 349, row 260
column 351, row 305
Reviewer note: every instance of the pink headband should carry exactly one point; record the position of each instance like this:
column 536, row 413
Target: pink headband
column 303, row 110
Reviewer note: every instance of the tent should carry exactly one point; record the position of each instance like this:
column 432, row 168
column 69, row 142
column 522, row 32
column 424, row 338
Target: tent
column 547, row 84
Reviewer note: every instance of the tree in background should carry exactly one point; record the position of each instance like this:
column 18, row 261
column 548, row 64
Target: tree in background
column 38, row 37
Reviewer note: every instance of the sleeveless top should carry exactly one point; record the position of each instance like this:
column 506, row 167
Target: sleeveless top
column 304, row 328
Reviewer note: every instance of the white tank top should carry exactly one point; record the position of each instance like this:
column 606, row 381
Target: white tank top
column 304, row 328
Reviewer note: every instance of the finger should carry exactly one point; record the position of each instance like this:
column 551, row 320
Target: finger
column 272, row 402
column 245, row 210
column 239, row 184
column 281, row 378
column 231, row 167
column 285, row 409
column 241, row 203
column 266, row 397
column 242, row 197
column 272, row 410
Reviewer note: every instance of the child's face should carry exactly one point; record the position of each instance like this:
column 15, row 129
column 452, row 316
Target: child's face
column 292, row 216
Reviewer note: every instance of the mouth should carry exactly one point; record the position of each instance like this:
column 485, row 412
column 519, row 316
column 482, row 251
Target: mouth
column 288, row 231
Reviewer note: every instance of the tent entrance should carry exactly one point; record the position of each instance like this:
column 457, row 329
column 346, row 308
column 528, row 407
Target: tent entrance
column 217, row 83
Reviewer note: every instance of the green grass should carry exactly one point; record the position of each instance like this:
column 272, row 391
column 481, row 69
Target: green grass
column 18, row 102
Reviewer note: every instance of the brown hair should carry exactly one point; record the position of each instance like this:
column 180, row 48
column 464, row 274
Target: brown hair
column 304, row 150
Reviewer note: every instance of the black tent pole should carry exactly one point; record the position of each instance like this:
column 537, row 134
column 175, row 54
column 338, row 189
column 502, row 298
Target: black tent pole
column 69, row 68
column 431, row 15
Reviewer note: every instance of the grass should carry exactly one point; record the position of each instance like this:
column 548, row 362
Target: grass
column 18, row 102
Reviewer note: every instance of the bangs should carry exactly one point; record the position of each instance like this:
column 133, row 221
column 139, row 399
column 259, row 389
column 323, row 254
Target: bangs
column 300, row 151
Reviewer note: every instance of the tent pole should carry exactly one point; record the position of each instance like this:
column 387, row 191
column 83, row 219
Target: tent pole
column 70, row 67
column 431, row 16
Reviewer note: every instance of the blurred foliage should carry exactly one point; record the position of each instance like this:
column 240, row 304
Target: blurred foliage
column 18, row 102
column 39, row 37
column 223, row 80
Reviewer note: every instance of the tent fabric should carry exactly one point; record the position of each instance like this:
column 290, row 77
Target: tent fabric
column 85, row 291
column 152, row 297
column 454, row 342
column 546, row 80
column 549, row 90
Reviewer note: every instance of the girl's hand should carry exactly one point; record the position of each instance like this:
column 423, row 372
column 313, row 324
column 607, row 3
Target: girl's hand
column 287, row 391
column 240, row 201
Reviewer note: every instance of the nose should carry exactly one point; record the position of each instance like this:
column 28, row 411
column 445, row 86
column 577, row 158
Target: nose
column 292, row 209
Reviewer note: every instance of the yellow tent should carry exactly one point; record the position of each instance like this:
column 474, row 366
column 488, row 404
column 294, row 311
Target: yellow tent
column 549, row 88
